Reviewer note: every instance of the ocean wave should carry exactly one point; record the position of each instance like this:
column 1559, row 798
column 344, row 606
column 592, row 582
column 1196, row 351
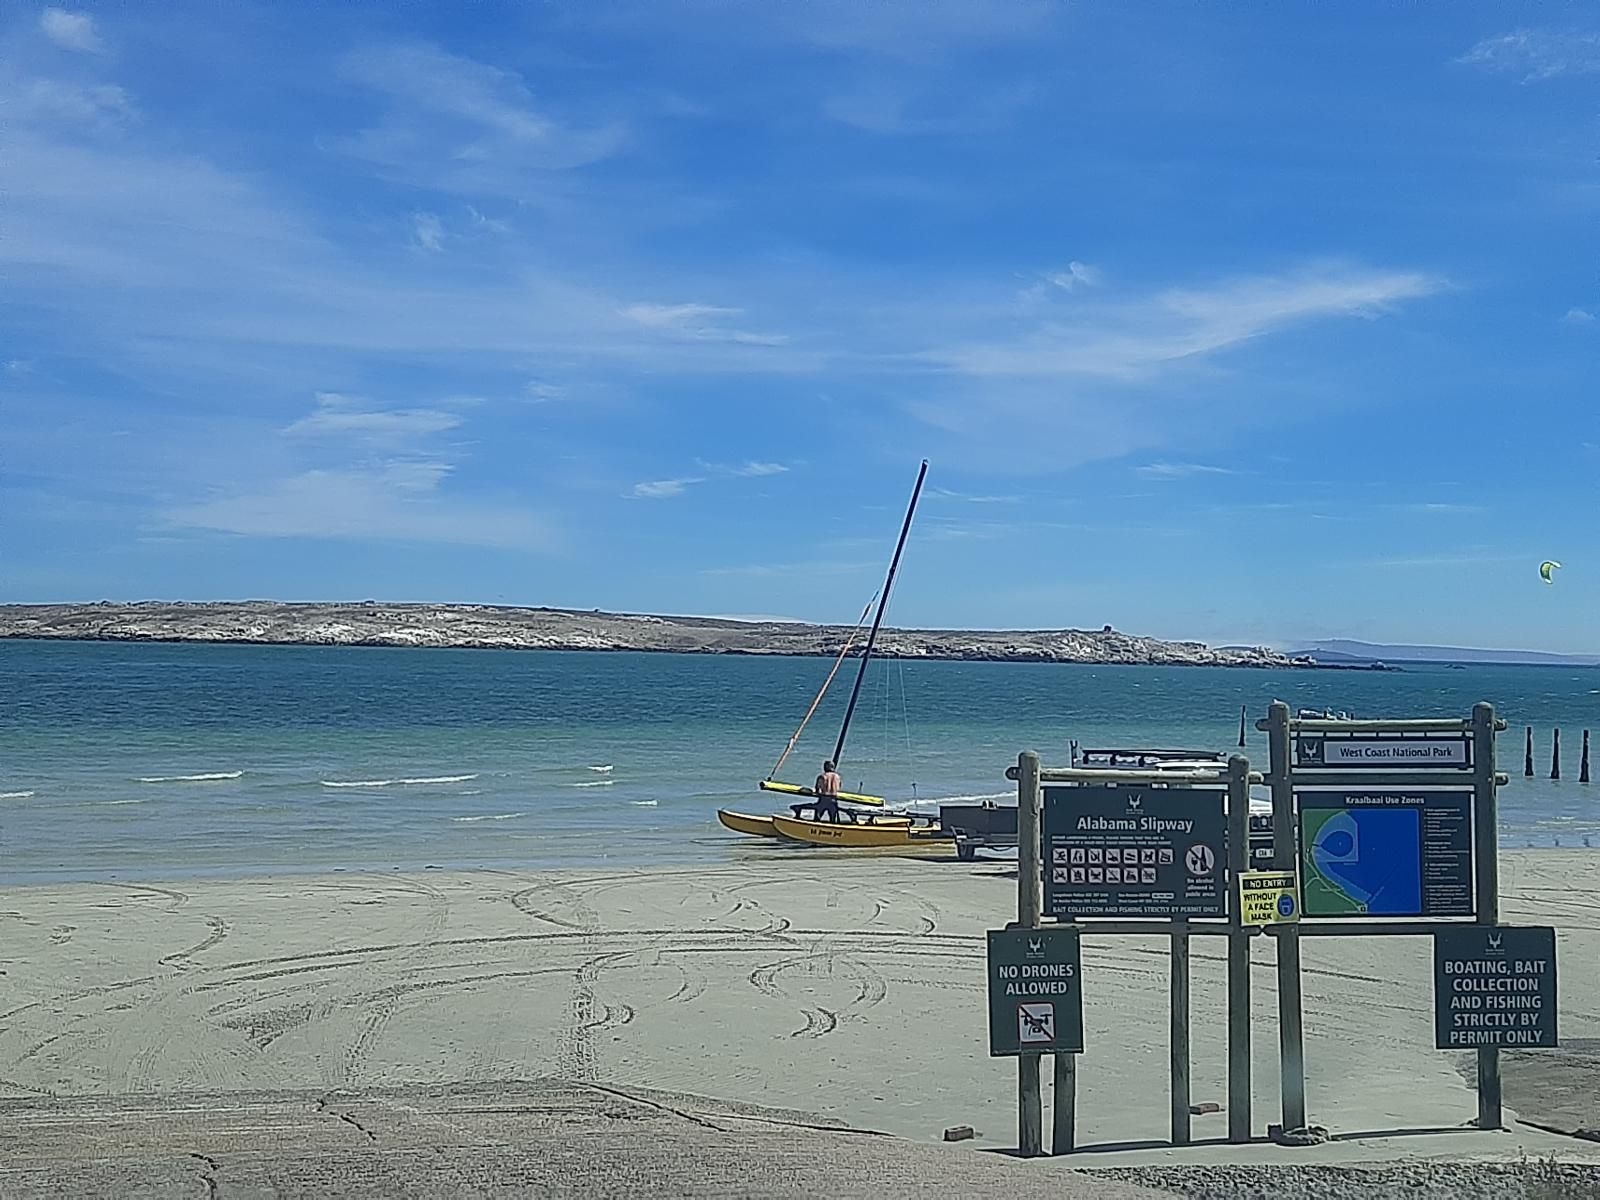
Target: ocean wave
column 383, row 783
column 208, row 777
column 136, row 800
column 645, row 803
column 15, row 795
column 490, row 817
column 595, row 783
column 964, row 799
column 603, row 769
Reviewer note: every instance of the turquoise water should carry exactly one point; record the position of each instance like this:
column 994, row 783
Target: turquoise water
column 122, row 759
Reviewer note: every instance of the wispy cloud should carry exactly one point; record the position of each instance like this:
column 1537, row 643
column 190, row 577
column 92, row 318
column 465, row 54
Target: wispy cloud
column 70, row 30
column 700, row 322
column 661, row 489
column 1537, row 54
column 1443, row 508
column 1136, row 337
column 459, row 125
column 788, row 569
column 746, row 470
column 344, row 416
column 1470, row 558
column 1181, row 470
column 56, row 102
column 428, row 231
column 1075, row 275
column 947, row 494
column 1578, row 316
column 397, row 502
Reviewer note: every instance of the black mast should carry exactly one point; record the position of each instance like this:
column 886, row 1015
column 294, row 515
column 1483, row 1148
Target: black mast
column 883, row 603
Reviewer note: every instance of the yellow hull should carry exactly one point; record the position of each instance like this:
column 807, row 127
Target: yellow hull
column 744, row 823
column 858, row 835
column 794, row 789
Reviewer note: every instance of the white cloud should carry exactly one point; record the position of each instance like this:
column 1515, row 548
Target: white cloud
column 397, row 501
column 54, row 102
column 1138, row 337
column 1076, row 275
column 73, row 31
column 697, row 321
column 1181, row 470
column 1578, row 316
column 542, row 393
column 785, row 570
column 751, row 470
column 428, row 231
column 661, row 489
column 343, row 416
column 459, row 125
column 1537, row 54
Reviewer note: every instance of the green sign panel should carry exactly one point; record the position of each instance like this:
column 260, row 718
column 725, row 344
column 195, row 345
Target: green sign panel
column 1035, row 998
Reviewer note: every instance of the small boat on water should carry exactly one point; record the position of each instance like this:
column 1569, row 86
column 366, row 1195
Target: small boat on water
column 860, row 827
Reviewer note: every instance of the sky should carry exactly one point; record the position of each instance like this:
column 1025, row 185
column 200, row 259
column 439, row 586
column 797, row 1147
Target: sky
column 1240, row 323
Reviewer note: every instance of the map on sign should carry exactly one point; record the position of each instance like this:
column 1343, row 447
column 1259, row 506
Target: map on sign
column 1364, row 861
column 1386, row 853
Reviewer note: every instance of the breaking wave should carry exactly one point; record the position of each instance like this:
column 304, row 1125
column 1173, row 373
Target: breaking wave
column 595, row 783
column 489, row 817
column 15, row 795
column 208, row 777
column 383, row 783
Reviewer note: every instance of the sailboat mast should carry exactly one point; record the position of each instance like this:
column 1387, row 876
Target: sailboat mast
column 877, row 620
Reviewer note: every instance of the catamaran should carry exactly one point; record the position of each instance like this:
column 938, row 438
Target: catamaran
column 859, row 824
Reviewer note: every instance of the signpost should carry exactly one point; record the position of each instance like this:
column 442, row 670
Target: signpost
column 1268, row 897
column 1134, row 851
column 1386, row 851
column 1035, row 992
column 1494, row 987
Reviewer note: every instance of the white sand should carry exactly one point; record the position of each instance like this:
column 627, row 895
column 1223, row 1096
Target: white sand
column 850, row 988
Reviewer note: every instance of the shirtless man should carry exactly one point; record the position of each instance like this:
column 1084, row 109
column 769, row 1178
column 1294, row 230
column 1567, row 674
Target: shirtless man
column 827, row 790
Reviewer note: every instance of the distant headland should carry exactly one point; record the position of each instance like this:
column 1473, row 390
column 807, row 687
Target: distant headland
column 476, row 626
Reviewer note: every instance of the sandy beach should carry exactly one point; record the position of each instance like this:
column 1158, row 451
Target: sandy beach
column 847, row 989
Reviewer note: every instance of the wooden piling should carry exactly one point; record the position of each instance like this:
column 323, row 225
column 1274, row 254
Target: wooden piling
column 1527, row 757
column 1030, row 881
column 1242, row 710
column 1555, row 754
column 1583, row 761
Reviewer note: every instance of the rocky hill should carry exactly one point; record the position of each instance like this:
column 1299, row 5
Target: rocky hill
column 482, row 626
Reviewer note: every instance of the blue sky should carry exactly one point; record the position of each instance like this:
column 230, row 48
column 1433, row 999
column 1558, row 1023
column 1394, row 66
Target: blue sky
column 1241, row 323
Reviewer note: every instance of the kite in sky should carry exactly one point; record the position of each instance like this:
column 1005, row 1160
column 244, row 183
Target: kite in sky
column 1547, row 570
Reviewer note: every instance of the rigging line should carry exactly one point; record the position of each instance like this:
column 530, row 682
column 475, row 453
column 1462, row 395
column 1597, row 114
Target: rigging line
column 905, row 718
column 837, row 663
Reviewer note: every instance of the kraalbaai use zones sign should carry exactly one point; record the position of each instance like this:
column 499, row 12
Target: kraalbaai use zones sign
column 1494, row 987
column 1386, row 851
column 1035, row 997
column 1134, row 851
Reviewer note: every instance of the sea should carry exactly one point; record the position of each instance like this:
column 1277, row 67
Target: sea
column 154, row 760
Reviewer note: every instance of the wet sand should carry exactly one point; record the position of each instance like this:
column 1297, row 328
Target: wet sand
column 850, row 989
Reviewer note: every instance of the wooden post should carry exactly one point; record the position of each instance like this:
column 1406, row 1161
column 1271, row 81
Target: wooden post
column 1291, row 1038
column 1527, row 757
column 1241, row 726
column 1555, row 755
column 1238, row 953
column 1180, row 1033
column 1486, row 837
column 1064, row 1113
column 1583, row 762
column 1030, row 880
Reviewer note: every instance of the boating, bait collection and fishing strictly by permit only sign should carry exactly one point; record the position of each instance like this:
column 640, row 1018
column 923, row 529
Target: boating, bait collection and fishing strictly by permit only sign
column 1134, row 852
column 1035, row 992
column 1494, row 987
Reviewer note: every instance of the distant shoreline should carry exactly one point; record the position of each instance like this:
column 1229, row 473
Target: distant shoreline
column 485, row 627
